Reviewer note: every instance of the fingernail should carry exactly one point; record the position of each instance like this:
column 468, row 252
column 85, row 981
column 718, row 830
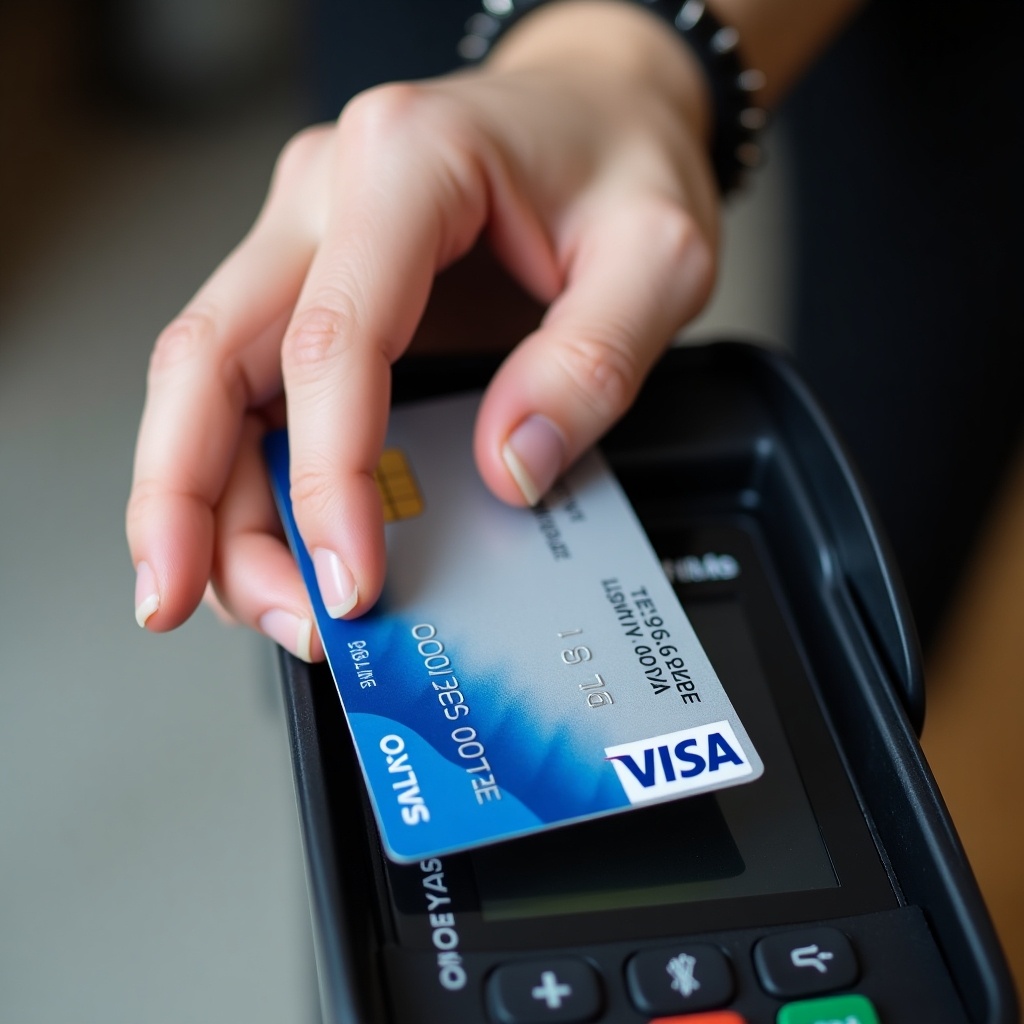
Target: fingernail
column 147, row 597
column 533, row 454
column 337, row 587
column 293, row 632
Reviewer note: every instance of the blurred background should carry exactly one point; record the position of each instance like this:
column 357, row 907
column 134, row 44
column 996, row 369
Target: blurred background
column 150, row 861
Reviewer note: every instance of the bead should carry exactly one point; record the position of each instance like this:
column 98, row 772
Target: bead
column 749, row 154
column 472, row 47
column 751, row 80
column 483, row 25
column 753, row 119
column 724, row 40
column 689, row 14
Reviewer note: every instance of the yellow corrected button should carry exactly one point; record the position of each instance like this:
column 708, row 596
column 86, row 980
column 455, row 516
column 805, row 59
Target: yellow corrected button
column 850, row 1009
column 399, row 492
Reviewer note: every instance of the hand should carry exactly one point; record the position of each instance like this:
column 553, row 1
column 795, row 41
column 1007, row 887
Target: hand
column 578, row 151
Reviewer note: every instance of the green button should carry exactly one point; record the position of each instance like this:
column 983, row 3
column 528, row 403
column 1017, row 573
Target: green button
column 834, row 1010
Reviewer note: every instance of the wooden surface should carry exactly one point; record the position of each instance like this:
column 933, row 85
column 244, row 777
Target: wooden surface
column 974, row 727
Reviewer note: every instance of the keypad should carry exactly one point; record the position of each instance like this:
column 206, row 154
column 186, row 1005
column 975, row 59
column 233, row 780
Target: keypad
column 881, row 968
column 678, row 984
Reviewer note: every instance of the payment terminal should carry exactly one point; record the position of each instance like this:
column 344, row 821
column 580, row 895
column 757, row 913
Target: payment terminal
column 832, row 889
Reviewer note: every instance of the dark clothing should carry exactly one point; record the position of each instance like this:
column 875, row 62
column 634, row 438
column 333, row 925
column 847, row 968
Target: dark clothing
column 909, row 292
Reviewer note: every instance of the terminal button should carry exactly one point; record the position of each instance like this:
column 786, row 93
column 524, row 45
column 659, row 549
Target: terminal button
column 562, row 990
column 850, row 1009
column 675, row 979
column 804, row 962
column 717, row 1017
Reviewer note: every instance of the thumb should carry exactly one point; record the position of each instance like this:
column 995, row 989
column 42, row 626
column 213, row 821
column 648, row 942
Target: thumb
column 638, row 273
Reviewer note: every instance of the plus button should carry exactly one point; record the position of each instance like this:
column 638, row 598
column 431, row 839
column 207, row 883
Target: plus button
column 551, row 991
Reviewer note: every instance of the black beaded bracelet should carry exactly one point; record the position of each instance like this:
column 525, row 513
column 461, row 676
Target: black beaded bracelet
column 736, row 118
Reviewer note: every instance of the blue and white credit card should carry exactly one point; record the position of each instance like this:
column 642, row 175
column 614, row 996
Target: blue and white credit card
column 524, row 668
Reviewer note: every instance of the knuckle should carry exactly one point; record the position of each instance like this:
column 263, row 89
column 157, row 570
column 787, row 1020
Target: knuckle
column 603, row 373
column 151, row 498
column 315, row 337
column 669, row 230
column 675, row 240
column 673, row 231
column 383, row 125
column 184, row 340
column 142, row 499
column 301, row 150
column 311, row 489
column 702, row 269
column 377, row 113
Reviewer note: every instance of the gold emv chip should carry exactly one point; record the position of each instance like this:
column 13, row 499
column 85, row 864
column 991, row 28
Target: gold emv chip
column 399, row 492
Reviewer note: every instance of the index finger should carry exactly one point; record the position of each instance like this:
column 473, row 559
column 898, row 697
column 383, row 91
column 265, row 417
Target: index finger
column 409, row 202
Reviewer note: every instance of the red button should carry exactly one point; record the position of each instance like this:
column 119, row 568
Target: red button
column 718, row 1017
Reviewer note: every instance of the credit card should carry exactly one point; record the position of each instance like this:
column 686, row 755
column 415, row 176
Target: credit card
column 524, row 668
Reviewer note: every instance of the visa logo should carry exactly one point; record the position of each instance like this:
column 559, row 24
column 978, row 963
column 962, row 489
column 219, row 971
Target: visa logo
column 704, row 757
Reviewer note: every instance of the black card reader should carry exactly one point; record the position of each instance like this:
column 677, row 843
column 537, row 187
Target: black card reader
column 832, row 889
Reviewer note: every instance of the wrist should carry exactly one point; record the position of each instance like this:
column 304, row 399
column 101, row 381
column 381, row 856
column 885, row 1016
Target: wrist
column 609, row 40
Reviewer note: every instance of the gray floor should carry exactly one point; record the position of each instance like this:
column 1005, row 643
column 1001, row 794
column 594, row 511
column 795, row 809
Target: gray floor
column 150, row 864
